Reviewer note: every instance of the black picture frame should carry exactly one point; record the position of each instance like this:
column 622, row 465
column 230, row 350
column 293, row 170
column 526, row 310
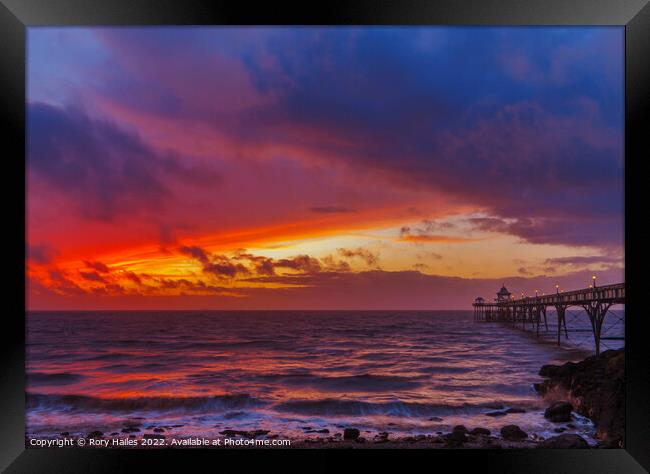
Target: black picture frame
column 17, row 15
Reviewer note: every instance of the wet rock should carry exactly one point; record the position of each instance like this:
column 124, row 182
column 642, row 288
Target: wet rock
column 65, row 433
column 559, row 412
column 95, row 434
column 247, row 434
column 596, row 388
column 115, row 433
column 564, row 441
column 435, row 418
column 324, row 431
column 131, row 429
column 513, row 433
column 494, row 406
column 457, row 437
column 360, row 439
column 381, row 437
column 132, row 436
column 515, row 410
column 496, row 413
column 158, row 430
column 480, row 431
column 610, row 444
column 560, row 430
column 153, row 436
column 351, row 433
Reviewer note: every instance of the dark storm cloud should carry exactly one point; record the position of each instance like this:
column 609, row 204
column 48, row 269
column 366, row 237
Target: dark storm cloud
column 40, row 254
column 98, row 266
column 104, row 168
column 524, row 123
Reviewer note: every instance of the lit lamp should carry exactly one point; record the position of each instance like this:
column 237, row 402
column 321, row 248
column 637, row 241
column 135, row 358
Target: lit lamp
column 557, row 289
column 593, row 278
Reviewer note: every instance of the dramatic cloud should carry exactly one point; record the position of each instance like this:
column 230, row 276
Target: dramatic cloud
column 106, row 170
column 155, row 154
column 40, row 254
column 98, row 266
column 370, row 258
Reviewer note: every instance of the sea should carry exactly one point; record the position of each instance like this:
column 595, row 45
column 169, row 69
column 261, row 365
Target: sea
column 295, row 374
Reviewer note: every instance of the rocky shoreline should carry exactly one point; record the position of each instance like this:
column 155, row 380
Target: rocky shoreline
column 595, row 388
column 592, row 388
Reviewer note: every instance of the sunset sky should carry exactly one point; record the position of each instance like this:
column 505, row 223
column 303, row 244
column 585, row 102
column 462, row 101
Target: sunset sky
column 321, row 168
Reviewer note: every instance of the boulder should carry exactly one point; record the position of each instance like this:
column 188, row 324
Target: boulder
column 455, row 438
column 564, row 441
column 513, row 433
column 480, row 431
column 496, row 413
column 95, row 434
column 515, row 410
column 559, row 412
column 351, row 433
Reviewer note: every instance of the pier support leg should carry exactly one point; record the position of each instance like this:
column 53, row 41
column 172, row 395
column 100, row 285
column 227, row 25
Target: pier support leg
column 596, row 312
column 561, row 311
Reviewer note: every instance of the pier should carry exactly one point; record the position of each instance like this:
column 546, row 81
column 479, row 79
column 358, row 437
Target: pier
column 596, row 302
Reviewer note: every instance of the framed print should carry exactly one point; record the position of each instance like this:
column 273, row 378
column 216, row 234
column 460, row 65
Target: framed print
column 268, row 234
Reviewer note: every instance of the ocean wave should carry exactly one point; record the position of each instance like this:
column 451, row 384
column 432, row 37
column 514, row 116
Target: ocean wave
column 87, row 403
column 343, row 383
column 60, row 378
column 334, row 407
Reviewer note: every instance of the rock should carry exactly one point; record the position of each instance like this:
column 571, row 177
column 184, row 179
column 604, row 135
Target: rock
column 480, row 431
column 130, row 429
column 95, row 434
column 564, row 441
column 153, row 436
column 65, row 433
column 115, row 433
column 596, row 388
column 456, row 438
column 610, row 444
column 513, row 433
column 496, row 413
column 360, row 439
column 435, row 418
column 559, row 412
column 350, row 433
column 560, row 430
column 515, row 410
column 247, row 434
column 494, row 406
column 132, row 436
column 324, row 430
column 158, row 430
